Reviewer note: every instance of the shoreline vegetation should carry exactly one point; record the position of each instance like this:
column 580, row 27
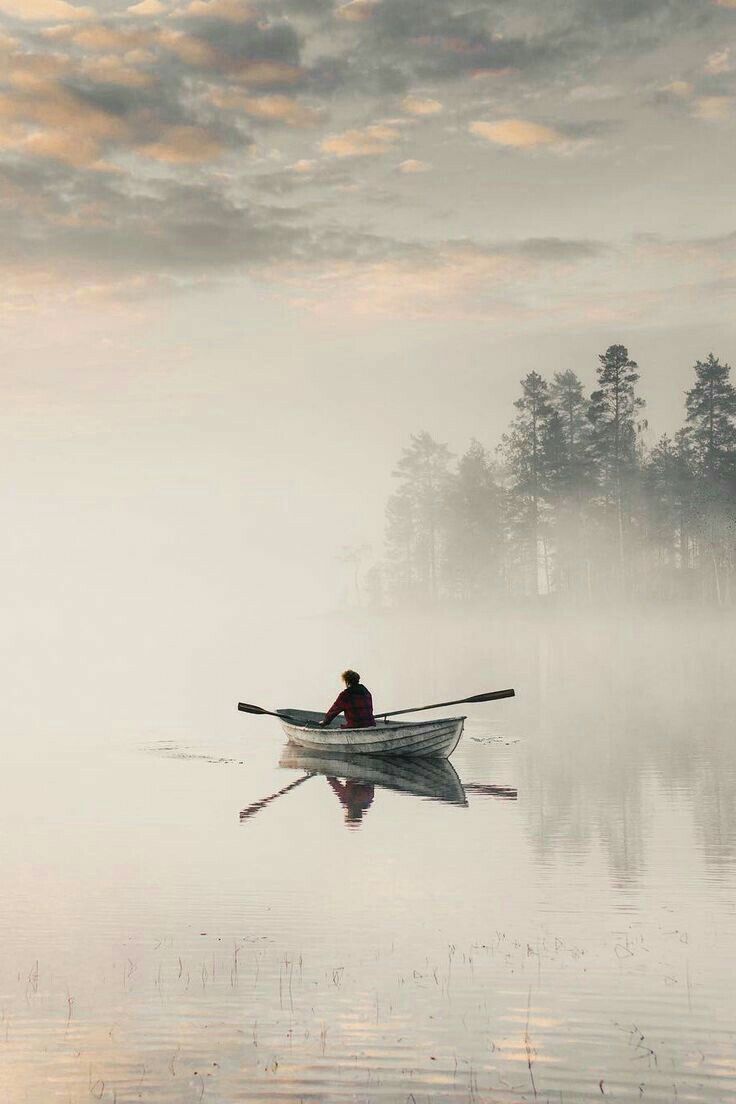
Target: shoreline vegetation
column 573, row 507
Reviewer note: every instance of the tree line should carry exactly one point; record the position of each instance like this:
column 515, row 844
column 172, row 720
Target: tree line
column 572, row 502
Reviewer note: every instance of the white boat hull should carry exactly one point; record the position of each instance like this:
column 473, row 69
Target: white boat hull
column 437, row 738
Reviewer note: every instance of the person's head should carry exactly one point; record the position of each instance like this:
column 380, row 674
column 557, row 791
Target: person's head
column 350, row 678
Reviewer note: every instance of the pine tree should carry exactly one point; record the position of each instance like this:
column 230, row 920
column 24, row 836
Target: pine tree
column 573, row 485
column 400, row 544
column 711, row 433
column 475, row 527
column 523, row 451
column 711, row 416
column 668, row 485
column 568, row 399
column 615, row 429
column 557, row 489
column 415, row 513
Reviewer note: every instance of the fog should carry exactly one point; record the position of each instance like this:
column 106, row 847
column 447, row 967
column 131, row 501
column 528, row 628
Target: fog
column 561, row 925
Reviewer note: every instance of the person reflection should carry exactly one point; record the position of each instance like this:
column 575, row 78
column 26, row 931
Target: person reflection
column 355, row 797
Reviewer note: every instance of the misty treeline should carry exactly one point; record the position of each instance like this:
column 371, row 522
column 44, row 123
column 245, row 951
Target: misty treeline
column 573, row 502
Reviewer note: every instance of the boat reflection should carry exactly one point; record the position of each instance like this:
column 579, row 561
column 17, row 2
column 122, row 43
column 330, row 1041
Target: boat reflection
column 434, row 779
column 354, row 778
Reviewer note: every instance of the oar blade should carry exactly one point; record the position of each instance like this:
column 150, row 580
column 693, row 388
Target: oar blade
column 245, row 708
column 492, row 696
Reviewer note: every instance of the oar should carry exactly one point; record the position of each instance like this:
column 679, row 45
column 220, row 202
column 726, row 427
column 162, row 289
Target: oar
column 251, row 810
column 245, row 708
column 492, row 696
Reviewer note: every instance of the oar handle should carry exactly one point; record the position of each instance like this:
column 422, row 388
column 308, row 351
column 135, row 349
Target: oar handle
column 493, row 695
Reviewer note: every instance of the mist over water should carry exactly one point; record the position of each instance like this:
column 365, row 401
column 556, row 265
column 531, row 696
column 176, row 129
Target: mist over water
column 444, row 944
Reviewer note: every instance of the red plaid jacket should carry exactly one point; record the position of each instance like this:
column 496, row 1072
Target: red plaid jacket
column 357, row 705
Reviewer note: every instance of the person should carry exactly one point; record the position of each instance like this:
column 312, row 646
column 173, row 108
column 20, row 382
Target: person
column 355, row 702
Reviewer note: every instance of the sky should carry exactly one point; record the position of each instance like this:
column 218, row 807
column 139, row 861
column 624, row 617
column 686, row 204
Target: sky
column 249, row 248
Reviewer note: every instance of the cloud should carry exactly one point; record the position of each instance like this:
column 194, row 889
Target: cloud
column 269, row 109
column 302, row 175
column 54, row 11
column 681, row 89
column 256, row 54
column 147, row 7
column 268, row 74
column 557, row 249
column 719, row 62
column 516, row 133
column 49, row 121
column 109, row 69
column 412, row 166
column 107, row 112
column 713, row 108
column 100, row 37
column 80, row 151
column 414, row 105
column 449, row 279
column 103, row 227
column 366, row 142
column 183, row 145
column 358, row 11
column 230, row 11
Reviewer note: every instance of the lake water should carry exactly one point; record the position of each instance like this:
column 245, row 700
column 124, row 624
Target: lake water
column 551, row 918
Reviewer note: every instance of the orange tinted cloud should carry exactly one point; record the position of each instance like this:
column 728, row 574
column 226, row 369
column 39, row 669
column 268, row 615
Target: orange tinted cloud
column 104, row 39
column 263, row 74
column 111, row 70
column 183, row 145
column 281, row 109
column 357, row 11
column 719, row 61
column 517, row 133
column 713, row 108
column 29, row 71
column 231, row 11
column 366, row 142
column 42, row 10
column 51, row 107
column 190, row 50
column 45, row 121
column 415, row 105
column 412, row 166
column 147, row 7
column 679, row 88
column 78, row 150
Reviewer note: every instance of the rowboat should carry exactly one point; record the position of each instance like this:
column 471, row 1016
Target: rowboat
column 437, row 738
column 431, row 778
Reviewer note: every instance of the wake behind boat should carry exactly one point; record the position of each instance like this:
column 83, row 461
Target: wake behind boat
column 437, row 738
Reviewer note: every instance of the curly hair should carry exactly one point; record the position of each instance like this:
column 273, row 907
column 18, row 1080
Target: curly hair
column 350, row 678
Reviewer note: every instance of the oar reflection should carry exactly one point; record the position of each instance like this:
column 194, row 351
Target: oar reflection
column 354, row 780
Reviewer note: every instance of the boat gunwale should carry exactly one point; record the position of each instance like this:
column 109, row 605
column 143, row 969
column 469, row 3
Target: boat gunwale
column 388, row 727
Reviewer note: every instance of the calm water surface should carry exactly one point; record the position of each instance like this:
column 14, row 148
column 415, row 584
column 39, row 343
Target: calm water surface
column 550, row 918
